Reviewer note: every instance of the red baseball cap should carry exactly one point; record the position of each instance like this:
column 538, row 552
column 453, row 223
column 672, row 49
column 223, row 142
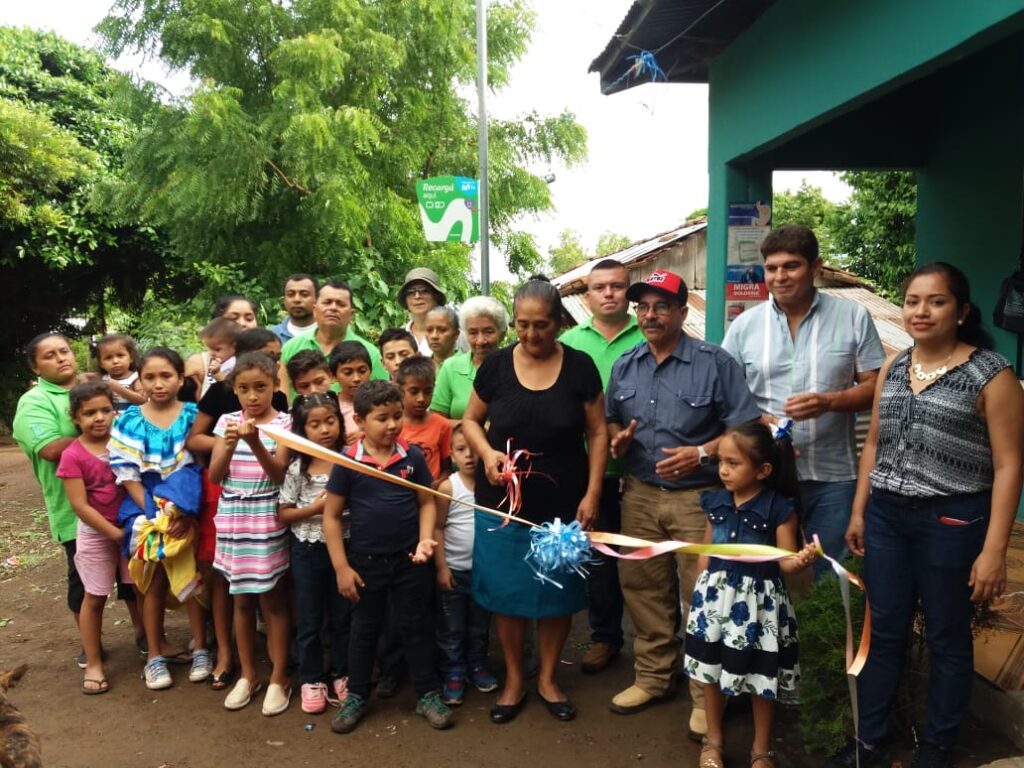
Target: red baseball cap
column 668, row 283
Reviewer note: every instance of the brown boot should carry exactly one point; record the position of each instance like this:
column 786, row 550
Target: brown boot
column 599, row 657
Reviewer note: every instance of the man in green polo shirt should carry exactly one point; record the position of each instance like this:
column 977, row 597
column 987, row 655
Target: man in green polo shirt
column 333, row 314
column 43, row 429
column 610, row 331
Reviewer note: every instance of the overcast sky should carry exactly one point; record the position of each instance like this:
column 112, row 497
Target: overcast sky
column 647, row 146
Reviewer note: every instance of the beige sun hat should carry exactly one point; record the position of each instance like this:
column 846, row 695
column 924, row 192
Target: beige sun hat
column 423, row 275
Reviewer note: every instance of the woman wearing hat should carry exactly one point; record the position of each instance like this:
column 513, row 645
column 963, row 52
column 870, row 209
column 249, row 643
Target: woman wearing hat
column 419, row 294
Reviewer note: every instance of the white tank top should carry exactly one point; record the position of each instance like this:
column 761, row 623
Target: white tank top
column 459, row 528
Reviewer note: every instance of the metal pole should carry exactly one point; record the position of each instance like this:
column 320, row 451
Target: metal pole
column 484, row 196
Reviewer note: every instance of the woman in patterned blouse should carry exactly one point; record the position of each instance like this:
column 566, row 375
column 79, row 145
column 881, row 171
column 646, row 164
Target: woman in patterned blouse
column 939, row 485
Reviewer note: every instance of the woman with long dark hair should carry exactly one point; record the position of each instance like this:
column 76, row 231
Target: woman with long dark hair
column 939, row 485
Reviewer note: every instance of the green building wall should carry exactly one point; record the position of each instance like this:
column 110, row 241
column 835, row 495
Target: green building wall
column 806, row 67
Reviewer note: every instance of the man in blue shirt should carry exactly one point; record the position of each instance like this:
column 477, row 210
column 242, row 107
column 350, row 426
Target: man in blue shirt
column 668, row 403
column 299, row 299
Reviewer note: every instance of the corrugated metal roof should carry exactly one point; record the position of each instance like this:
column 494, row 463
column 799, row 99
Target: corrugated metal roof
column 683, row 34
column 567, row 281
column 887, row 317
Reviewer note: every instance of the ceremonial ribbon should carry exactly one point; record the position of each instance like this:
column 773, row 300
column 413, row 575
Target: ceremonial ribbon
column 513, row 477
column 558, row 546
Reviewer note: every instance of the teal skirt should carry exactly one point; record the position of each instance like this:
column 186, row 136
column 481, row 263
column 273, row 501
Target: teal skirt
column 504, row 583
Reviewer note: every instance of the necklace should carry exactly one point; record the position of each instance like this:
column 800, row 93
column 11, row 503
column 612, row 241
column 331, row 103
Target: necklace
column 919, row 372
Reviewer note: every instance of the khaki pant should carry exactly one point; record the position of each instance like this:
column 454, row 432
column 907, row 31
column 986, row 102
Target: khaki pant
column 650, row 586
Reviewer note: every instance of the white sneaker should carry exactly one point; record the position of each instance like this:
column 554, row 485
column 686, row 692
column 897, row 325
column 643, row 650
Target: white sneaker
column 158, row 677
column 277, row 699
column 202, row 666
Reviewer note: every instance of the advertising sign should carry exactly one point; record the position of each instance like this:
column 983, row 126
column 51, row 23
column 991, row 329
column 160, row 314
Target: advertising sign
column 449, row 208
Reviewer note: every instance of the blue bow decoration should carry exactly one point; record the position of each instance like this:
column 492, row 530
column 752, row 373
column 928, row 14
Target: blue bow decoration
column 559, row 548
column 783, row 429
column 643, row 62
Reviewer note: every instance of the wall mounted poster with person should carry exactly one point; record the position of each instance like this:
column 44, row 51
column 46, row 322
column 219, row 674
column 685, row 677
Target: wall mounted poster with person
column 749, row 223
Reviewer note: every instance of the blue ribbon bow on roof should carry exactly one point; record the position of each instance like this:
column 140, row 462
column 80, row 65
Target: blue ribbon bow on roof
column 643, row 62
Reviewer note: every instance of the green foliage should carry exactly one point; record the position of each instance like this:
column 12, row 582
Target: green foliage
column 696, row 214
column 300, row 146
column 65, row 118
column 872, row 234
column 826, row 720
column 570, row 251
column 876, row 234
column 609, row 242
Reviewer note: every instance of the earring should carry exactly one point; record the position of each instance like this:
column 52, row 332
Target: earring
column 959, row 322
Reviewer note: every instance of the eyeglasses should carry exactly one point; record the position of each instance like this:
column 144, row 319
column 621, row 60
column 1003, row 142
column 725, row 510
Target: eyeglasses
column 418, row 291
column 658, row 308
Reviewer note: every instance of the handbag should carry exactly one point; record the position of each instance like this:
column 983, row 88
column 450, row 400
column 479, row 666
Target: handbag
column 1008, row 313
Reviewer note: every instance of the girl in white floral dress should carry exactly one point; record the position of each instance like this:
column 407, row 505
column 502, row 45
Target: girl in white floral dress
column 741, row 631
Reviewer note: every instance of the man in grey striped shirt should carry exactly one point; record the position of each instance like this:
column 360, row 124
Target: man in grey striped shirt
column 814, row 358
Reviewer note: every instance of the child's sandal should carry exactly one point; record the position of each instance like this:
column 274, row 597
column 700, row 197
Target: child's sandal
column 767, row 759
column 706, row 748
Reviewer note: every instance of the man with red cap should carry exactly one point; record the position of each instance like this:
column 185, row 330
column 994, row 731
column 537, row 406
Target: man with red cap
column 667, row 404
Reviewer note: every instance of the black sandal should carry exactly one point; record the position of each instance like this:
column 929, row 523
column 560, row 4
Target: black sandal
column 222, row 681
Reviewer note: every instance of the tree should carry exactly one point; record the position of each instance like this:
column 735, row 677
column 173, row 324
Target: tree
column 568, row 253
column 609, row 242
column 875, row 231
column 310, row 122
column 810, row 208
column 872, row 234
column 65, row 118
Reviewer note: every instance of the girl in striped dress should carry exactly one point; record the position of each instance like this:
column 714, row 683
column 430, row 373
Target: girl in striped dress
column 252, row 544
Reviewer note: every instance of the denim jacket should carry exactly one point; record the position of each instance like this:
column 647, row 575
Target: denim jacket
column 753, row 522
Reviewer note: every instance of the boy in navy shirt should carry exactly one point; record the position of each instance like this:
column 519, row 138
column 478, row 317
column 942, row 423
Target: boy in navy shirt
column 387, row 557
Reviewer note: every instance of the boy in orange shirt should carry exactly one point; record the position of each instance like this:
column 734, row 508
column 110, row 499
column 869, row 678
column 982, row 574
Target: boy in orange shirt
column 421, row 426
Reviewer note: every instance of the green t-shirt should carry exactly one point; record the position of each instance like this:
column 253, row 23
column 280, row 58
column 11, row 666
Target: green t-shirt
column 604, row 353
column 44, row 415
column 308, row 341
column 454, row 385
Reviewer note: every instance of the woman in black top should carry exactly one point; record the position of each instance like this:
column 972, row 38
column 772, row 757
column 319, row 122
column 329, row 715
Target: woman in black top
column 937, row 493
column 547, row 398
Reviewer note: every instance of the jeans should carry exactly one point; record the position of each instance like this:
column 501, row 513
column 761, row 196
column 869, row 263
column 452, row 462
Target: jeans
column 317, row 596
column 920, row 548
column 604, row 595
column 826, row 511
column 462, row 628
column 393, row 579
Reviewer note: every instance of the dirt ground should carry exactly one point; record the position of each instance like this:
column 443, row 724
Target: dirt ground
column 187, row 726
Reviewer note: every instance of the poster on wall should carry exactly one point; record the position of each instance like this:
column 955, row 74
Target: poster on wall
column 449, row 208
column 749, row 223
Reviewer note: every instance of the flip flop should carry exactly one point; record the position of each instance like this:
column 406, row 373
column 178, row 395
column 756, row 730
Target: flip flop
column 102, row 686
column 222, row 681
column 180, row 658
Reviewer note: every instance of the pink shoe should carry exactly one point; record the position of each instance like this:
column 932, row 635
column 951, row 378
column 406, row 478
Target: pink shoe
column 314, row 698
column 340, row 691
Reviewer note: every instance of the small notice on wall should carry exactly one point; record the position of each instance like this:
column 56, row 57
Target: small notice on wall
column 749, row 223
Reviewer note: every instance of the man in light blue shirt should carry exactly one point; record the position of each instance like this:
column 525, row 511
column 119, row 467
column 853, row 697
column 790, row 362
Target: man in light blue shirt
column 814, row 358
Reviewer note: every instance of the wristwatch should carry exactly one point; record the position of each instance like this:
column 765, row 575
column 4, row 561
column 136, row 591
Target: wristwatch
column 702, row 456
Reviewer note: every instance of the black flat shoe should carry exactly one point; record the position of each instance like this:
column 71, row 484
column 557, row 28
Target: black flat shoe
column 560, row 710
column 506, row 713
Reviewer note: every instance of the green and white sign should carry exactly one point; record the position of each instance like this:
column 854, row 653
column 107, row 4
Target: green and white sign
column 449, row 208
